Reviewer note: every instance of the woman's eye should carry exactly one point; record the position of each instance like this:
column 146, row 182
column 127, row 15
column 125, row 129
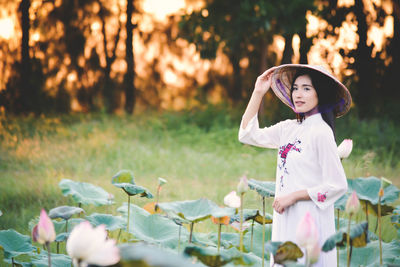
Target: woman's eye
column 294, row 88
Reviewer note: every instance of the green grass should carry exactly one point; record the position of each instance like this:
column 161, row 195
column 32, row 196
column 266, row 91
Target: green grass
column 197, row 152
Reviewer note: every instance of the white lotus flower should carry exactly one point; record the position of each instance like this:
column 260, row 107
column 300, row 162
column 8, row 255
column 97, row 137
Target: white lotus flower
column 243, row 185
column 88, row 245
column 232, row 200
column 345, row 148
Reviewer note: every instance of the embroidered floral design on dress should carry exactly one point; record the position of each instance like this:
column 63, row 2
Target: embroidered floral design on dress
column 283, row 153
column 322, row 197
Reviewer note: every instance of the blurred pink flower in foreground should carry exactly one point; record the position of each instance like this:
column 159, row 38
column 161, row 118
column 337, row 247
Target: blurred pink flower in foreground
column 345, row 148
column 352, row 204
column 44, row 232
column 88, row 245
column 307, row 237
column 243, row 185
column 232, row 200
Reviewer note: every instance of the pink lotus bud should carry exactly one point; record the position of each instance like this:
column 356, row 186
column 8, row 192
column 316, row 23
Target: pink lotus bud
column 243, row 185
column 232, row 200
column 313, row 253
column 90, row 245
column 44, row 231
column 345, row 148
column 307, row 233
column 352, row 204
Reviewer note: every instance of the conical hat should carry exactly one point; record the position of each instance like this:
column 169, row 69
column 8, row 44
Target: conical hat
column 282, row 80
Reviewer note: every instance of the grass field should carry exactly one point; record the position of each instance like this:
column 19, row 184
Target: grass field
column 197, row 152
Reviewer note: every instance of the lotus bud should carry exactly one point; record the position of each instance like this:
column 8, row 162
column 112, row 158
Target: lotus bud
column 232, row 200
column 44, row 231
column 243, row 185
column 352, row 204
column 161, row 181
column 385, row 182
column 313, row 253
column 345, row 148
column 307, row 233
column 221, row 220
column 90, row 246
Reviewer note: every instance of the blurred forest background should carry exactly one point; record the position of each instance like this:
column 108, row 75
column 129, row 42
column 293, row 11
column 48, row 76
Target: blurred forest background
column 121, row 56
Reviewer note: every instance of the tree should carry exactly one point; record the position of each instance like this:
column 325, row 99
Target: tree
column 129, row 77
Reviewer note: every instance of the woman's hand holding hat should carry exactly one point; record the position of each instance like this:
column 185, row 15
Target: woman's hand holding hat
column 263, row 82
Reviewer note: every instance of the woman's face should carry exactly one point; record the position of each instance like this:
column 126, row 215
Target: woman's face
column 304, row 96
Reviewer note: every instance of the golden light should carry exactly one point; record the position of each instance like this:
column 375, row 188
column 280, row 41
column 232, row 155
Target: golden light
column 6, row 28
column 162, row 8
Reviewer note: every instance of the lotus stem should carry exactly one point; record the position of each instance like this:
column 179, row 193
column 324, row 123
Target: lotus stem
column 157, row 197
column 219, row 236
column 66, row 226
column 119, row 234
column 129, row 208
column 48, row 253
column 12, row 262
column 252, row 231
column 263, row 233
column 380, row 230
column 179, row 237
column 191, row 232
column 58, row 247
column 337, row 228
column 241, row 222
column 348, row 242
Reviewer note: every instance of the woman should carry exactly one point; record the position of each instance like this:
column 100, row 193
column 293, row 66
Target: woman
column 309, row 174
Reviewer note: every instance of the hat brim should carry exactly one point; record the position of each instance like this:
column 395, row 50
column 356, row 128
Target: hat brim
column 282, row 80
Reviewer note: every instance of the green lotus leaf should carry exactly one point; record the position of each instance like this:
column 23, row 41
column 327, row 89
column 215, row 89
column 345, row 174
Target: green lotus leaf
column 368, row 189
column 252, row 214
column 156, row 229
column 228, row 240
column 123, row 176
column 133, row 190
column 284, row 252
column 203, row 239
column 134, row 210
column 257, row 239
column 194, row 210
column 210, row 256
column 140, row 255
column 59, row 260
column 358, row 237
column 341, row 202
column 368, row 256
column 17, row 263
column 14, row 243
column 64, row 212
column 111, row 222
column 85, row 193
column 263, row 188
column 395, row 218
column 62, row 237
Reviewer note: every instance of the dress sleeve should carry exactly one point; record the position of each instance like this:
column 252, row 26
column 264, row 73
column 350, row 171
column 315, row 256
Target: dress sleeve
column 334, row 182
column 267, row 137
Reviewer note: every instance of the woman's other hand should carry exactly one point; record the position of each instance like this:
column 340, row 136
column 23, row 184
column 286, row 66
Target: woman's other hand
column 283, row 202
column 263, row 82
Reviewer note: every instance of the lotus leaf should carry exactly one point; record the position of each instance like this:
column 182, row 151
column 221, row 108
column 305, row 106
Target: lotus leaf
column 140, row 255
column 59, row 260
column 368, row 189
column 85, row 193
column 195, row 210
column 133, row 209
column 368, row 256
column 263, row 188
column 228, row 240
column 157, row 229
column 358, row 237
column 252, row 214
column 62, row 237
column 111, row 222
column 210, row 256
column 123, row 176
column 395, row 218
column 64, row 212
column 284, row 252
column 257, row 239
column 59, row 226
column 14, row 243
column 18, row 263
column 133, row 190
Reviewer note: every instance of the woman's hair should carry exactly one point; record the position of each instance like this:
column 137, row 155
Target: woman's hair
column 327, row 95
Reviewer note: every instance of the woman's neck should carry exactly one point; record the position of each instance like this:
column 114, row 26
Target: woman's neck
column 311, row 112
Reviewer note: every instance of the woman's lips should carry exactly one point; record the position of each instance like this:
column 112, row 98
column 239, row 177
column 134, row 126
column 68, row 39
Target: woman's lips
column 299, row 103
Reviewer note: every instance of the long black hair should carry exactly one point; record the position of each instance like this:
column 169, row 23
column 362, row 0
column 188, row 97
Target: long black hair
column 327, row 95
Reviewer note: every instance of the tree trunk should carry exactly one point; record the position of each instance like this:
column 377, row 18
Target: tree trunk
column 288, row 51
column 364, row 65
column 305, row 45
column 27, row 96
column 236, row 89
column 263, row 67
column 129, row 78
